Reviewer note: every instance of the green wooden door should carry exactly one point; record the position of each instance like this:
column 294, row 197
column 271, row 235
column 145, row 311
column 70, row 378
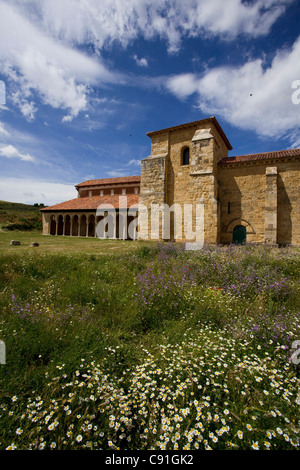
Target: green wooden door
column 239, row 235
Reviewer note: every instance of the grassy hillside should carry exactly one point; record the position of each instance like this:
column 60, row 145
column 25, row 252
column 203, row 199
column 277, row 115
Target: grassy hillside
column 16, row 216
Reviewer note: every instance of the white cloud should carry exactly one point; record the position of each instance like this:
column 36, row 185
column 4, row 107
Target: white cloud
column 27, row 108
column 36, row 61
column 142, row 62
column 9, row 151
column 233, row 17
column 134, row 162
column 67, row 118
column 2, row 93
column 31, row 191
column 250, row 96
column 3, row 131
column 183, row 85
column 103, row 22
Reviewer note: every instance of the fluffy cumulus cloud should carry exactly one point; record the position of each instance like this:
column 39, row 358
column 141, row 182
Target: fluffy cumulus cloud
column 33, row 60
column 251, row 96
column 9, row 151
column 141, row 62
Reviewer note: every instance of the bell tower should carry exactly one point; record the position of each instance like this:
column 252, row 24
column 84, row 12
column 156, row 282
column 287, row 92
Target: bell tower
column 181, row 175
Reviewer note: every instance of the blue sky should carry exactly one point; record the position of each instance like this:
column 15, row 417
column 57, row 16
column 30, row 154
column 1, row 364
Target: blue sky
column 85, row 80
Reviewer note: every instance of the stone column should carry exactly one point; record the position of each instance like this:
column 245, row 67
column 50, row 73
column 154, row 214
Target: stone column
column 46, row 223
column 271, row 206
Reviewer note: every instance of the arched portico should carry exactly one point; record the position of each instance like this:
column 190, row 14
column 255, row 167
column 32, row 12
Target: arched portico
column 119, row 224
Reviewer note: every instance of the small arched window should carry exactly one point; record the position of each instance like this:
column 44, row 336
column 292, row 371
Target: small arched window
column 186, row 156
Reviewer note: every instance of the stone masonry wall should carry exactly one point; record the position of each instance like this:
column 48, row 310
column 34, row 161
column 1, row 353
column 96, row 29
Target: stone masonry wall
column 152, row 189
column 195, row 183
column 164, row 179
column 264, row 197
column 242, row 196
column 288, row 224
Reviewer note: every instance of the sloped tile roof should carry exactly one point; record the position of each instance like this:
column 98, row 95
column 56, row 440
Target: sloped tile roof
column 109, row 181
column 212, row 120
column 92, row 203
column 280, row 154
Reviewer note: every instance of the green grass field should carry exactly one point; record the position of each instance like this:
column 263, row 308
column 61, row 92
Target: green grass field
column 132, row 345
column 65, row 245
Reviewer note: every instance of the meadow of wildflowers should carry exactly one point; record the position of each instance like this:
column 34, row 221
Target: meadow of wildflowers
column 154, row 349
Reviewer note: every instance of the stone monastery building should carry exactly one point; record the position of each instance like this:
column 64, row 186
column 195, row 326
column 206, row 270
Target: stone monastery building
column 189, row 179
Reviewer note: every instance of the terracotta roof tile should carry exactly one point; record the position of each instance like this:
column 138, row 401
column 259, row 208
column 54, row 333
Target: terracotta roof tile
column 108, row 181
column 261, row 156
column 92, row 203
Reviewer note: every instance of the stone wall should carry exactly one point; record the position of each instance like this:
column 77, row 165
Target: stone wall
column 152, row 191
column 242, row 198
column 107, row 190
column 165, row 180
column 264, row 197
column 288, row 190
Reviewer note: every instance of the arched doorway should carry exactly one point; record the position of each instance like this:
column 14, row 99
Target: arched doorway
column 239, row 235
column 53, row 227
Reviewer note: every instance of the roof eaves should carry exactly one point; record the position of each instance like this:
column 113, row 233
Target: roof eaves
column 111, row 181
column 261, row 157
column 212, row 119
